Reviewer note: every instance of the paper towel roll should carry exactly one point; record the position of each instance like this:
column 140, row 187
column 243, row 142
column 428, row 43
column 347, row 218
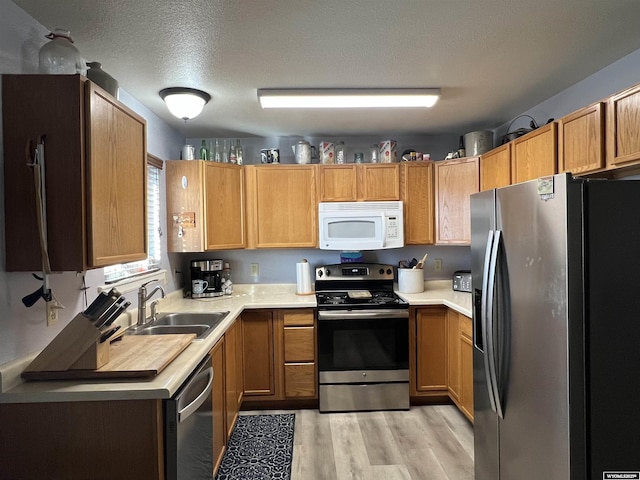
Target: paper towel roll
column 303, row 278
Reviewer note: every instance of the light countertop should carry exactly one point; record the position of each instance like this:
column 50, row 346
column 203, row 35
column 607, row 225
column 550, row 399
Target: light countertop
column 167, row 382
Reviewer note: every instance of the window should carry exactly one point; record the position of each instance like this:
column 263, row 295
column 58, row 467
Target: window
column 114, row 273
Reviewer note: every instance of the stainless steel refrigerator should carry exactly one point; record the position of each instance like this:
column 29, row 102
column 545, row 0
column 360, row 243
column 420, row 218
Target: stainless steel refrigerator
column 556, row 315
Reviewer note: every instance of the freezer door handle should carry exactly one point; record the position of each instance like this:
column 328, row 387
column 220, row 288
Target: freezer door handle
column 494, row 350
column 484, row 319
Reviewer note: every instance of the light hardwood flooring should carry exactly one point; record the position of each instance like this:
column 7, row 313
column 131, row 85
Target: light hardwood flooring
column 432, row 442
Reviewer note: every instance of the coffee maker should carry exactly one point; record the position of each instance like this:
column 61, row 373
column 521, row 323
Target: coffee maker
column 209, row 271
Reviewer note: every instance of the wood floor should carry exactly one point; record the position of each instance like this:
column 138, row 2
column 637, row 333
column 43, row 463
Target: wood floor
column 432, row 442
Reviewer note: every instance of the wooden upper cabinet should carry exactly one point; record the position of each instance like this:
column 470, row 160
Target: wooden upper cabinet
column 205, row 206
column 495, row 168
column 282, row 206
column 95, row 156
column 416, row 192
column 356, row 182
column 623, row 123
column 535, row 154
column 224, row 206
column 581, row 140
column 337, row 183
column 380, row 181
column 456, row 181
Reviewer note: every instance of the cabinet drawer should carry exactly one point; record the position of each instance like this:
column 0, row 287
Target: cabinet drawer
column 300, row 380
column 465, row 326
column 299, row 344
column 298, row 318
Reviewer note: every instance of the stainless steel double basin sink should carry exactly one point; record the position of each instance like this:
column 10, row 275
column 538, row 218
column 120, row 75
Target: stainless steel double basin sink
column 202, row 324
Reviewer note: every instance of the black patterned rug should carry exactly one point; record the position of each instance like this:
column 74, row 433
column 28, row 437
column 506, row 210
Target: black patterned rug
column 260, row 448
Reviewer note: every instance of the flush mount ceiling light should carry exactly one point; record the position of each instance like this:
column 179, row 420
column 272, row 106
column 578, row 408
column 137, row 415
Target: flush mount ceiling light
column 349, row 98
column 185, row 103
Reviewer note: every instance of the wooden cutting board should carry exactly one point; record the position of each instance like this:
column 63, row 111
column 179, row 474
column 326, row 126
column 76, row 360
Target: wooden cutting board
column 131, row 357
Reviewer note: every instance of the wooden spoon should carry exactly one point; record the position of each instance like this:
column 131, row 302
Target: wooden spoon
column 421, row 262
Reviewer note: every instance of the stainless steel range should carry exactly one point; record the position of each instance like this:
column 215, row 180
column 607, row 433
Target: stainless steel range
column 363, row 339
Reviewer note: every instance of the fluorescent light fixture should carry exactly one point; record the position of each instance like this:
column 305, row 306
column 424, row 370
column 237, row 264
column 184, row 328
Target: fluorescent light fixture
column 185, row 103
column 349, row 98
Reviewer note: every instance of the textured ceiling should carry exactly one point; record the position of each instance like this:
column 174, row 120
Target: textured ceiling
column 493, row 59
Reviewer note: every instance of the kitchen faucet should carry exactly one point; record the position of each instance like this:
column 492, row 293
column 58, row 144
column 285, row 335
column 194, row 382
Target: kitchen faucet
column 142, row 300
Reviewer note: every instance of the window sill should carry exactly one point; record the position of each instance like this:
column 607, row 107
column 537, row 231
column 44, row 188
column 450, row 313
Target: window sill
column 134, row 283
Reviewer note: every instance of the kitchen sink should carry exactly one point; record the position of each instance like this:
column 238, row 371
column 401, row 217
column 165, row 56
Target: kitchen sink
column 212, row 319
column 202, row 324
column 199, row 330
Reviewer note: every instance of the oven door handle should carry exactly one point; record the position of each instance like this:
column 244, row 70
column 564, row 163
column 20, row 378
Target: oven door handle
column 362, row 314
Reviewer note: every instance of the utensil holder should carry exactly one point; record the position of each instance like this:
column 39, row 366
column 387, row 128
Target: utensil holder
column 410, row 280
column 77, row 346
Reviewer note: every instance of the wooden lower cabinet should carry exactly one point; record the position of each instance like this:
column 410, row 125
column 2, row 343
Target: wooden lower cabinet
column 466, row 367
column 219, row 407
column 234, row 389
column 441, row 356
column 428, row 355
column 279, row 354
column 80, row 440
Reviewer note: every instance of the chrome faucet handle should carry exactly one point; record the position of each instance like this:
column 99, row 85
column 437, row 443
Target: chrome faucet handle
column 154, row 306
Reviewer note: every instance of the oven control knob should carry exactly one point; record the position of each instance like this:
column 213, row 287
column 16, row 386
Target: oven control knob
column 381, row 271
column 328, row 272
column 389, row 271
column 320, row 273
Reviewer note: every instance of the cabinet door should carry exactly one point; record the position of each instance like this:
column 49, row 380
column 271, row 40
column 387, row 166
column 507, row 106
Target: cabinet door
column 185, row 208
column 456, row 181
column 337, row 183
column 581, row 140
column 495, row 168
column 258, row 353
column 117, row 181
column 623, row 122
column 466, row 367
column 219, row 407
column 224, row 206
column 231, row 367
column 453, row 354
column 283, row 209
column 379, row 181
column 535, row 154
column 430, row 374
column 416, row 192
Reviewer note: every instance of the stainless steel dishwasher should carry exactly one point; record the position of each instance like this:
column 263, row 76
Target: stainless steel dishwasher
column 188, row 427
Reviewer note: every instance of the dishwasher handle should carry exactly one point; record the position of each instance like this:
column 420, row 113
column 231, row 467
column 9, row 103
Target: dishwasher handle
column 190, row 409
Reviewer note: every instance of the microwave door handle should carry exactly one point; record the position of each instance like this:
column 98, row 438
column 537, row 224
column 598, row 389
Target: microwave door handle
column 383, row 240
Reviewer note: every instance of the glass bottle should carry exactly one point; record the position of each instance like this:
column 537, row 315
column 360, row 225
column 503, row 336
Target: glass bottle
column 204, row 155
column 232, row 152
column 225, row 152
column 373, row 153
column 461, row 151
column 239, row 152
column 227, row 284
column 340, row 153
column 216, row 155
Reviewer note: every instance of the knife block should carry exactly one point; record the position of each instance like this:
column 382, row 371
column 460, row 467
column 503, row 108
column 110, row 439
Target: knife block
column 76, row 347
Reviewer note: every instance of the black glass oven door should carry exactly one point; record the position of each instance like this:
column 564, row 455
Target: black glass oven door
column 363, row 344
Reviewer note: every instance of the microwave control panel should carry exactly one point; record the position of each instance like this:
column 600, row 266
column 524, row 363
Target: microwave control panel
column 393, row 227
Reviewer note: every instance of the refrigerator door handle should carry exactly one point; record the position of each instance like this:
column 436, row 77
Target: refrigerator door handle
column 485, row 321
column 492, row 351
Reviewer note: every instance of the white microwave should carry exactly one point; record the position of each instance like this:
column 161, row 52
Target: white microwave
column 361, row 225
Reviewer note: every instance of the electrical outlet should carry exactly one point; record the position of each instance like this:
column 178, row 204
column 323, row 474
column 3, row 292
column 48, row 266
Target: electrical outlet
column 437, row 265
column 255, row 269
column 52, row 314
